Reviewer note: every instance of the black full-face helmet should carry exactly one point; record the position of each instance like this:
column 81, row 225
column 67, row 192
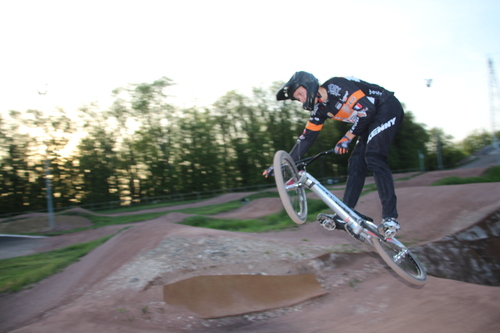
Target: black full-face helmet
column 304, row 79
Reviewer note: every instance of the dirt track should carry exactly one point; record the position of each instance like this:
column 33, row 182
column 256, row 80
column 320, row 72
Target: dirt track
column 117, row 287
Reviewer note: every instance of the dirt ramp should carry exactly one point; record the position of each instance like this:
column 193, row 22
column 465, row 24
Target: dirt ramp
column 471, row 255
column 430, row 213
column 228, row 295
column 428, row 178
column 254, row 209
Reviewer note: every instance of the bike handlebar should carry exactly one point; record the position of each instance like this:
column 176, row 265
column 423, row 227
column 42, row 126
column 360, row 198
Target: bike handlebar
column 306, row 161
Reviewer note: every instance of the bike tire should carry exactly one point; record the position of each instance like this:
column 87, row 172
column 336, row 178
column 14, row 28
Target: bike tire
column 406, row 265
column 292, row 194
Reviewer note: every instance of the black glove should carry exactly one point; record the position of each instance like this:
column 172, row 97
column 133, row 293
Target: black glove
column 268, row 172
column 342, row 146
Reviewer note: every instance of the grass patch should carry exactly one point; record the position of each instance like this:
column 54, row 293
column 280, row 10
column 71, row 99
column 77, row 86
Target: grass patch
column 20, row 272
column 139, row 207
column 491, row 175
column 314, row 207
column 409, row 177
column 213, row 209
column 203, row 210
column 272, row 222
column 354, row 282
column 268, row 223
column 368, row 189
column 102, row 221
column 135, row 208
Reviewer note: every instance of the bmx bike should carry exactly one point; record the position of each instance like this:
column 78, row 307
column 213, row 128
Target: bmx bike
column 292, row 179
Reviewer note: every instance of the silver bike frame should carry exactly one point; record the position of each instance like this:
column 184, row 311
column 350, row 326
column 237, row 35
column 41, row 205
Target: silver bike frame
column 352, row 219
column 362, row 230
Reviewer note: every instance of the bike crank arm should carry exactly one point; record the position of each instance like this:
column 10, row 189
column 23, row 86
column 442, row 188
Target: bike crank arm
column 373, row 231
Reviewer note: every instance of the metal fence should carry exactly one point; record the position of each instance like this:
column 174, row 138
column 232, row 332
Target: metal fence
column 169, row 198
column 175, row 197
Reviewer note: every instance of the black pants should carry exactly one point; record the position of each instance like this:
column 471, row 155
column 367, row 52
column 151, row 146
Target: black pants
column 371, row 153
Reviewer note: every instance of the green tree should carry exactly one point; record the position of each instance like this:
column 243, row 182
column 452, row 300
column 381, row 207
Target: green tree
column 32, row 140
column 55, row 132
column 127, row 167
column 199, row 157
column 409, row 145
column 230, row 134
column 283, row 120
column 145, row 105
column 477, row 141
column 14, row 169
column 96, row 169
column 443, row 153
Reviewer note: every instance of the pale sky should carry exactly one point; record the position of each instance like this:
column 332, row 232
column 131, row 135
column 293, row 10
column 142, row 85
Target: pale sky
column 85, row 49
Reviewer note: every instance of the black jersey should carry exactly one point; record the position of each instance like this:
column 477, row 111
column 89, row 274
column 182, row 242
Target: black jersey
column 350, row 100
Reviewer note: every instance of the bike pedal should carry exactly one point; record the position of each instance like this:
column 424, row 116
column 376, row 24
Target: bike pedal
column 329, row 222
column 326, row 221
column 328, row 225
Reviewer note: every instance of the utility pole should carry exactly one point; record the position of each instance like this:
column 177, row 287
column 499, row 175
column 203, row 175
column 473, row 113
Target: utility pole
column 48, row 182
column 494, row 106
column 50, row 204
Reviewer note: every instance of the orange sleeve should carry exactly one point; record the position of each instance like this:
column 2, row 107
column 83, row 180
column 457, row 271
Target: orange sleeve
column 313, row 127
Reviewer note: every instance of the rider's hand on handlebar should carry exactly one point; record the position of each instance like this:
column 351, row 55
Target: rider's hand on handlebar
column 342, row 146
column 268, row 172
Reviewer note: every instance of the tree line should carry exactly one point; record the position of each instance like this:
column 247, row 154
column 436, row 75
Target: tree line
column 143, row 146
